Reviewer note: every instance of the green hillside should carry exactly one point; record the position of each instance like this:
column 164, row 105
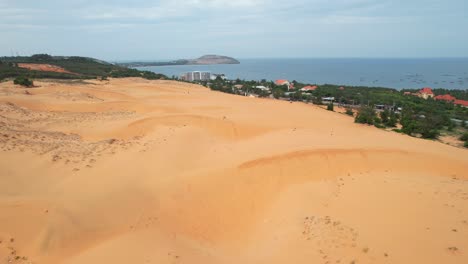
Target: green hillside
column 80, row 68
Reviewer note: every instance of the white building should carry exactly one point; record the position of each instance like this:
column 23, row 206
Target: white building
column 196, row 76
column 216, row 75
column 261, row 87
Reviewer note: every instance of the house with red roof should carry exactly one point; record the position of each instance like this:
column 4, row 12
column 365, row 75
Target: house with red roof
column 463, row 103
column 445, row 97
column 309, row 88
column 282, row 82
column 285, row 82
column 425, row 93
column 451, row 99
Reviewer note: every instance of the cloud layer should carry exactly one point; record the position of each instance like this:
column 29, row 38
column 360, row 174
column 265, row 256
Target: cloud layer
column 244, row 28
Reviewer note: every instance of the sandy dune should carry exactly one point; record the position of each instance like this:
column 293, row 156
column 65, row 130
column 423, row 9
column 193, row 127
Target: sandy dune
column 43, row 67
column 137, row 171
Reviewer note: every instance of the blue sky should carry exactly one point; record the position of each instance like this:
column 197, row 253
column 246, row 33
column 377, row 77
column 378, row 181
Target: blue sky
column 170, row 29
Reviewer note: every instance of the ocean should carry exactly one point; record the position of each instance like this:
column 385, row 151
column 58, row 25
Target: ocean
column 450, row 73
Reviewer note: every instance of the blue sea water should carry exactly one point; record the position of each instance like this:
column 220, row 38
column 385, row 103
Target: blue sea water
column 450, row 73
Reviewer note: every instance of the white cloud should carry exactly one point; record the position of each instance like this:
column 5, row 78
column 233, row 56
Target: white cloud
column 171, row 9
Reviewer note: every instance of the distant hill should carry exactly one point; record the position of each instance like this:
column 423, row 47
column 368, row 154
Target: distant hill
column 214, row 59
column 64, row 67
column 203, row 60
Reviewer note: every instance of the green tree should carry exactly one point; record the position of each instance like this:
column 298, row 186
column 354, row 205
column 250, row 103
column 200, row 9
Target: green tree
column 317, row 100
column 428, row 126
column 392, row 121
column 451, row 125
column 278, row 93
column 366, row 115
column 408, row 121
column 385, row 116
column 296, row 96
column 41, row 57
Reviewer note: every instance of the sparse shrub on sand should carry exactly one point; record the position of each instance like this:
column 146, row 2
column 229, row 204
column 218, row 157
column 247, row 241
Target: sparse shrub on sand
column 317, row 100
column 464, row 137
column 330, row 107
column 379, row 125
column 349, row 112
column 23, row 81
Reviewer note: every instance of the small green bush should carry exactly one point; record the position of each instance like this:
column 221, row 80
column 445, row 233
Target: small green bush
column 317, row 100
column 23, row 81
column 430, row 133
column 464, row 137
column 349, row 112
column 330, row 107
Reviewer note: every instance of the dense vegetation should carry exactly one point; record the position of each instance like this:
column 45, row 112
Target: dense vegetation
column 366, row 115
column 381, row 107
column 80, row 68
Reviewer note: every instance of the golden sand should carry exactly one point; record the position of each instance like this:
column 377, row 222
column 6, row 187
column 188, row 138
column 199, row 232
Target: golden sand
column 137, row 171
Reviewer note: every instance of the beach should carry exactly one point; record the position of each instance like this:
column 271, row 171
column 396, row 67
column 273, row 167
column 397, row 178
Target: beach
column 138, row 171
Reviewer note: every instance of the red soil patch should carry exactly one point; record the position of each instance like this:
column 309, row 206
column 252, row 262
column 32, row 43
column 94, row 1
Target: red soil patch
column 43, row 67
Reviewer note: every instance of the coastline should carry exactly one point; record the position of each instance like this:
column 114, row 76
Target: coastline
column 387, row 73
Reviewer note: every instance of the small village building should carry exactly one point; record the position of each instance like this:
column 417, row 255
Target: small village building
column 462, row 103
column 263, row 88
column 451, row 99
column 308, row 88
column 426, row 93
column 445, row 97
column 380, row 107
column 285, row 82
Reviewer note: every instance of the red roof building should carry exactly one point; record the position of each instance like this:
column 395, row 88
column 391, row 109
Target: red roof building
column 285, row 82
column 282, row 82
column 445, row 97
column 309, row 88
column 426, row 90
column 451, row 99
column 425, row 93
column 463, row 103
